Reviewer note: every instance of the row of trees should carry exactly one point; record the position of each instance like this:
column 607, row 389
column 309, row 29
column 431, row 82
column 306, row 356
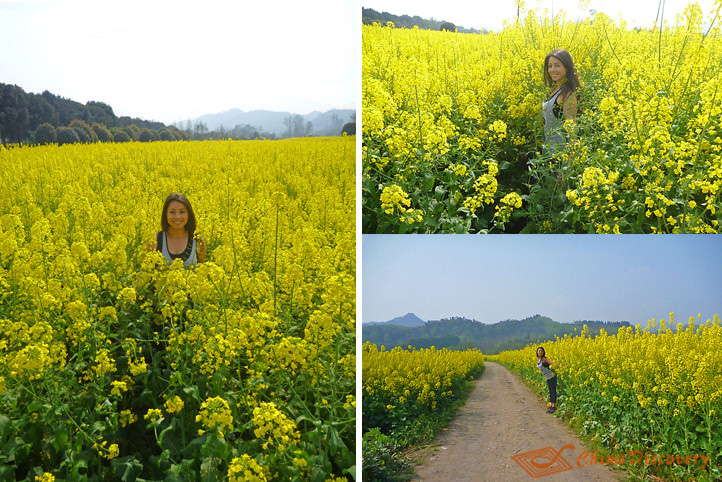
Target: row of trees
column 47, row 118
column 81, row 131
column 369, row 16
column 22, row 114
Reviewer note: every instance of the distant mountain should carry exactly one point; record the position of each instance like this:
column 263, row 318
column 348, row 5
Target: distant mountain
column 327, row 123
column 493, row 338
column 408, row 320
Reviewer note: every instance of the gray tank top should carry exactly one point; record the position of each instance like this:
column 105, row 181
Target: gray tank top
column 553, row 127
column 548, row 374
column 192, row 259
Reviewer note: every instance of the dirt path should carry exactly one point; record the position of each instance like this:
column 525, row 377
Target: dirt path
column 503, row 418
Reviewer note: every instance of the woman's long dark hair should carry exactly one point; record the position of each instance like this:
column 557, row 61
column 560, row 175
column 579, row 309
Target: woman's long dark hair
column 190, row 225
column 572, row 83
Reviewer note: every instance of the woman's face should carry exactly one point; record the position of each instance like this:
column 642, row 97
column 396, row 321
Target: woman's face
column 539, row 352
column 556, row 69
column 177, row 215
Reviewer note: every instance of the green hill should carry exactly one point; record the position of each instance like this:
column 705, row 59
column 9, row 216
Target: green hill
column 457, row 332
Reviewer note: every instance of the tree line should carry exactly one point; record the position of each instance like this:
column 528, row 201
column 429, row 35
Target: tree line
column 369, row 16
column 28, row 118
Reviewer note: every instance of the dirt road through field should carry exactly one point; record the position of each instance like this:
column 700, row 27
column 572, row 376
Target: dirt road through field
column 503, row 418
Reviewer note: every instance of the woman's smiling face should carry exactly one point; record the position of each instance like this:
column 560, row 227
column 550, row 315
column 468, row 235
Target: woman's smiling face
column 177, row 215
column 556, row 69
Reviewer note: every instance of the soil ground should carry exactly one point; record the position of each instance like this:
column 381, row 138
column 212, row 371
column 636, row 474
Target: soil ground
column 502, row 418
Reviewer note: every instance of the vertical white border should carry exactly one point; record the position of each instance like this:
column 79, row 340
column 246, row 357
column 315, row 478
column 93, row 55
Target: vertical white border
column 359, row 273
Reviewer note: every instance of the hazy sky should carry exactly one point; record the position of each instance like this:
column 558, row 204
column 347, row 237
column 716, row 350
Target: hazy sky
column 567, row 277
column 491, row 14
column 173, row 60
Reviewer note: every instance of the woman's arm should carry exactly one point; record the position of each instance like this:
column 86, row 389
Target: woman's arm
column 201, row 250
column 550, row 362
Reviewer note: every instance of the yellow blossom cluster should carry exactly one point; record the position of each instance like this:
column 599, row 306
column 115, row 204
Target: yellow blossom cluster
column 215, row 414
column 245, row 469
column 153, row 415
column 174, row 404
column 291, row 354
column 498, row 130
column 393, row 198
column 274, row 426
column 506, row 206
column 485, row 188
column 126, row 417
column 107, row 451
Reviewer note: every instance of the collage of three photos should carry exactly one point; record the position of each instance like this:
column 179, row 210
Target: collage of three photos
column 374, row 240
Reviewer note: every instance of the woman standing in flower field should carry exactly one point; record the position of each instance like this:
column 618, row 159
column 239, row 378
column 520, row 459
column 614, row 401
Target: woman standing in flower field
column 562, row 77
column 114, row 366
column 451, row 148
column 543, row 364
column 177, row 239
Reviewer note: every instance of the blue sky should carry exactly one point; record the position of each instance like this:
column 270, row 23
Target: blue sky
column 173, row 60
column 567, row 277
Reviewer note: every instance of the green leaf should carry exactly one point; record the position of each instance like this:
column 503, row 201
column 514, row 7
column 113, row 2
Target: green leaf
column 98, row 427
column 183, row 471
column 641, row 217
column 168, row 438
column 207, row 465
column 335, row 443
column 314, row 437
column 530, row 227
column 16, row 448
column 317, row 475
column 147, row 398
column 79, row 463
column 5, row 428
column 127, row 468
column 61, row 438
column 7, row 472
column 428, row 181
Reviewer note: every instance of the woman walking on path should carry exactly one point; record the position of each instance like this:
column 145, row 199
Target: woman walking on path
column 562, row 77
column 543, row 364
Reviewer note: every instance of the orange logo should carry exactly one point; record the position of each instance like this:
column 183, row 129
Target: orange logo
column 542, row 462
